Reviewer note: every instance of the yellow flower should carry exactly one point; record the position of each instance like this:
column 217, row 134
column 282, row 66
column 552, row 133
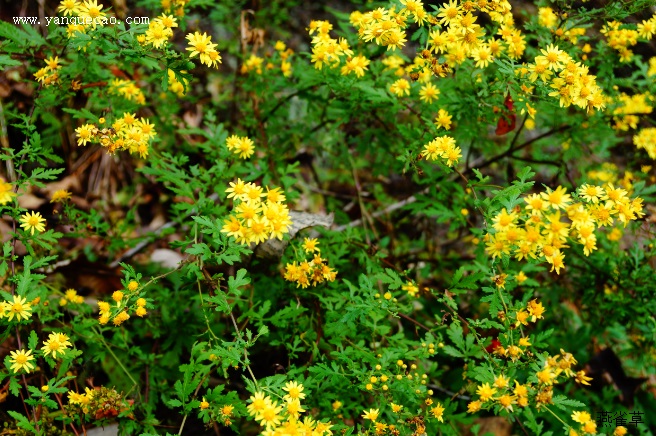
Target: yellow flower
column 91, row 9
column 69, row 7
column 60, row 196
column 85, row 133
column 6, row 191
column 258, row 402
column 437, row 412
column 428, row 93
column 581, row 417
column 270, row 415
column 535, row 309
column 33, row 221
column 620, row 431
column 56, row 343
column 581, row 378
column 443, row 119
column 310, row 245
column 294, row 391
column 19, row 308
column 474, row 406
column 400, row 88
column 120, row 318
column 202, row 46
column 204, row 404
column 21, row 360
column 557, row 199
column 371, row 414
column 501, row 381
column 485, row 392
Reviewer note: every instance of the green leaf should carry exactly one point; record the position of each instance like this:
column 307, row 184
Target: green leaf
column 567, row 404
column 32, row 340
column 22, row 421
column 7, row 61
column 174, row 403
column 239, row 280
column 455, row 334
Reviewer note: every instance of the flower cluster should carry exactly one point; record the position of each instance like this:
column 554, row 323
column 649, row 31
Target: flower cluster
column 309, row 273
column 125, row 303
column 71, row 296
column 160, row 31
column 538, row 232
column 81, row 400
column 326, row 50
column 620, row 38
column 6, row 191
column 548, row 18
column 84, row 15
column 253, row 63
column 49, row 75
column 652, row 67
column 646, row 138
column 285, row 55
column 285, row 418
column 572, row 84
column 507, row 393
column 443, row 147
column 224, row 412
column 454, row 36
column 56, row 343
column 242, row 146
column 203, row 47
column 254, row 220
column 386, row 27
column 533, row 312
column 402, row 378
column 100, row 402
column 411, row 289
column 60, row 196
column 459, row 37
column 18, row 308
column 174, row 6
column 628, row 109
column 126, row 133
column 127, row 89
column 176, row 86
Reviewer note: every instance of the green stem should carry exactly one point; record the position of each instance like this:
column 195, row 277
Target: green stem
column 120, row 364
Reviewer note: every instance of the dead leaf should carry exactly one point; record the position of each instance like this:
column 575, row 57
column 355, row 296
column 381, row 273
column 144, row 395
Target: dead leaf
column 165, row 257
column 30, row 202
column 273, row 248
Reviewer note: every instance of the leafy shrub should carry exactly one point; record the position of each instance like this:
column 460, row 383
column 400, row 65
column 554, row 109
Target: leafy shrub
column 398, row 219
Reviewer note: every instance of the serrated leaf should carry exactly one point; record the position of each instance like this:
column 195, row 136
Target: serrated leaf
column 174, row 403
column 455, row 334
column 32, row 340
column 22, row 421
column 239, row 280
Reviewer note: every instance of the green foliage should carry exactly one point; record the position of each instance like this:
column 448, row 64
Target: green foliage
column 386, row 291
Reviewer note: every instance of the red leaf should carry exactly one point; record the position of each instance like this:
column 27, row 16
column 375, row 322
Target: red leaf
column 508, row 120
column 493, row 346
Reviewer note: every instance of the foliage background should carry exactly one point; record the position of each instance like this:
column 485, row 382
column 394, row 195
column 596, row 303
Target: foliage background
column 224, row 323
